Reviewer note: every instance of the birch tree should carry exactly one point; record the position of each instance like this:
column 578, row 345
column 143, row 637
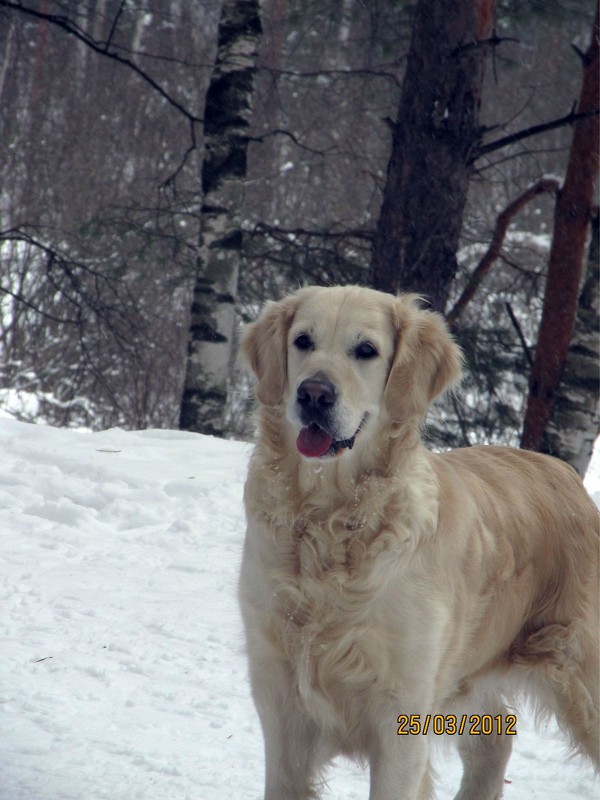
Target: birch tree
column 226, row 125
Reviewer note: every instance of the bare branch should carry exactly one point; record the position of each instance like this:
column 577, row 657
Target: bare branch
column 572, row 118
column 170, row 180
column 282, row 132
column 493, row 41
column 543, row 186
column 461, row 421
column 22, row 299
column 377, row 71
column 520, row 334
column 102, row 48
column 262, row 228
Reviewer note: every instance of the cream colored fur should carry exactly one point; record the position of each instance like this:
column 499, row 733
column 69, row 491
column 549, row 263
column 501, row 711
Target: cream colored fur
column 389, row 580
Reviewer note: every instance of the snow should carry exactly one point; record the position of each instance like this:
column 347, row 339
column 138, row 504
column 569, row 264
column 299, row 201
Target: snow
column 122, row 673
column 19, row 403
column 539, row 241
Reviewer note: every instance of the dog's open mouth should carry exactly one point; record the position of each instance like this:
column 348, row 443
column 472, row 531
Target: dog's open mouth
column 314, row 442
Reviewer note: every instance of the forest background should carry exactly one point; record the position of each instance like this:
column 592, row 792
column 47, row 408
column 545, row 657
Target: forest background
column 107, row 246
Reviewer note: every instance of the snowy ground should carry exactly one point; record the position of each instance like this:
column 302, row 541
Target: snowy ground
column 122, row 674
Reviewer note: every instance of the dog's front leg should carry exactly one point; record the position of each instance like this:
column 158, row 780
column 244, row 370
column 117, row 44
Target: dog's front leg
column 400, row 768
column 294, row 751
column 291, row 760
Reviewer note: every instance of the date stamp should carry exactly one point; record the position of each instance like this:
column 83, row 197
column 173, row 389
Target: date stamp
column 450, row 724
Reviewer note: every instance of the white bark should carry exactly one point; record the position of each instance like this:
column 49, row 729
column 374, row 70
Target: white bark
column 226, row 122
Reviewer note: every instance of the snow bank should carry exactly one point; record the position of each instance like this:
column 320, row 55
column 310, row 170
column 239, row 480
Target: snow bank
column 122, row 674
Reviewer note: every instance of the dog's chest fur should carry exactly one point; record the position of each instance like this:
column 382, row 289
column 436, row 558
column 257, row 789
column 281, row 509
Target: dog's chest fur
column 330, row 562
column 324, row 611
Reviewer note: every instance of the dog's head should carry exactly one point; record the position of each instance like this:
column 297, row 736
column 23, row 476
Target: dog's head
column 341, row 361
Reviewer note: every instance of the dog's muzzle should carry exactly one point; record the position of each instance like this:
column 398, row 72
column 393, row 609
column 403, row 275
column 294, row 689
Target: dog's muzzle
column 316, row 397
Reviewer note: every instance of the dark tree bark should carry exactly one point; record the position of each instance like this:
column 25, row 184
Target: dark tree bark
column 434, row 135
column 226, row 123
column 571, row 224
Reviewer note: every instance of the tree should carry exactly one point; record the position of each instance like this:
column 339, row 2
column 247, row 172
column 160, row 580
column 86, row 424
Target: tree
column 117, row 216
column 573, row 426
column 99, row 206
column 436, row 129
column 571, row 224
column 226, row 125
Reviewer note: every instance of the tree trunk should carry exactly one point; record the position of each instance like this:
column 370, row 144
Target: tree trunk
column 572, row 217
column 226, row 122
column 437, row 126
column 573, row 426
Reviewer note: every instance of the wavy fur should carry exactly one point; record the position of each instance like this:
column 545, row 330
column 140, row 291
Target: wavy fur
column 389, row 580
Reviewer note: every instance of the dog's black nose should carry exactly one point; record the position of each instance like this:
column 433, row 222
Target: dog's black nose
column 317, row 393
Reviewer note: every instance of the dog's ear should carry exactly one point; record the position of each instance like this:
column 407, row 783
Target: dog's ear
column 264, row 348
column 426, row 363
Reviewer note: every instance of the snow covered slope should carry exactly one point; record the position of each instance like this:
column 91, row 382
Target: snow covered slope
column 121, row 672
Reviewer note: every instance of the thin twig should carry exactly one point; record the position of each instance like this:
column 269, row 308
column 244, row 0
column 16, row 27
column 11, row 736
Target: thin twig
column 113, row 27
column 519, row 330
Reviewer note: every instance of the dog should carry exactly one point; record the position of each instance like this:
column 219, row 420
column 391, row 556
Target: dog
column 386, row 590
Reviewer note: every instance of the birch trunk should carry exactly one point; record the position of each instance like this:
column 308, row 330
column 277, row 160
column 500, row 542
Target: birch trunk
column 226, row 123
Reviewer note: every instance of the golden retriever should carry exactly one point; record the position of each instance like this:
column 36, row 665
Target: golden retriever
column 388, row 592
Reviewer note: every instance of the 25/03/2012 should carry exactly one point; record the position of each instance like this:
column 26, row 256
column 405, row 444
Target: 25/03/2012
column 473, row 725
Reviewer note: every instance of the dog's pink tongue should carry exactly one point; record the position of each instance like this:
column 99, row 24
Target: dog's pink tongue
column 313, row 441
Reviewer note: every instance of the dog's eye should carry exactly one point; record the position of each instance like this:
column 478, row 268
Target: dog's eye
column 365, row 350
column 303, row 342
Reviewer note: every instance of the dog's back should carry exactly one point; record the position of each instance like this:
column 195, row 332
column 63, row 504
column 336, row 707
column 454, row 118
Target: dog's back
column 545, row 531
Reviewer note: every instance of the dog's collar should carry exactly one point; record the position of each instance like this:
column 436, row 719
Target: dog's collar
column 342, row 444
